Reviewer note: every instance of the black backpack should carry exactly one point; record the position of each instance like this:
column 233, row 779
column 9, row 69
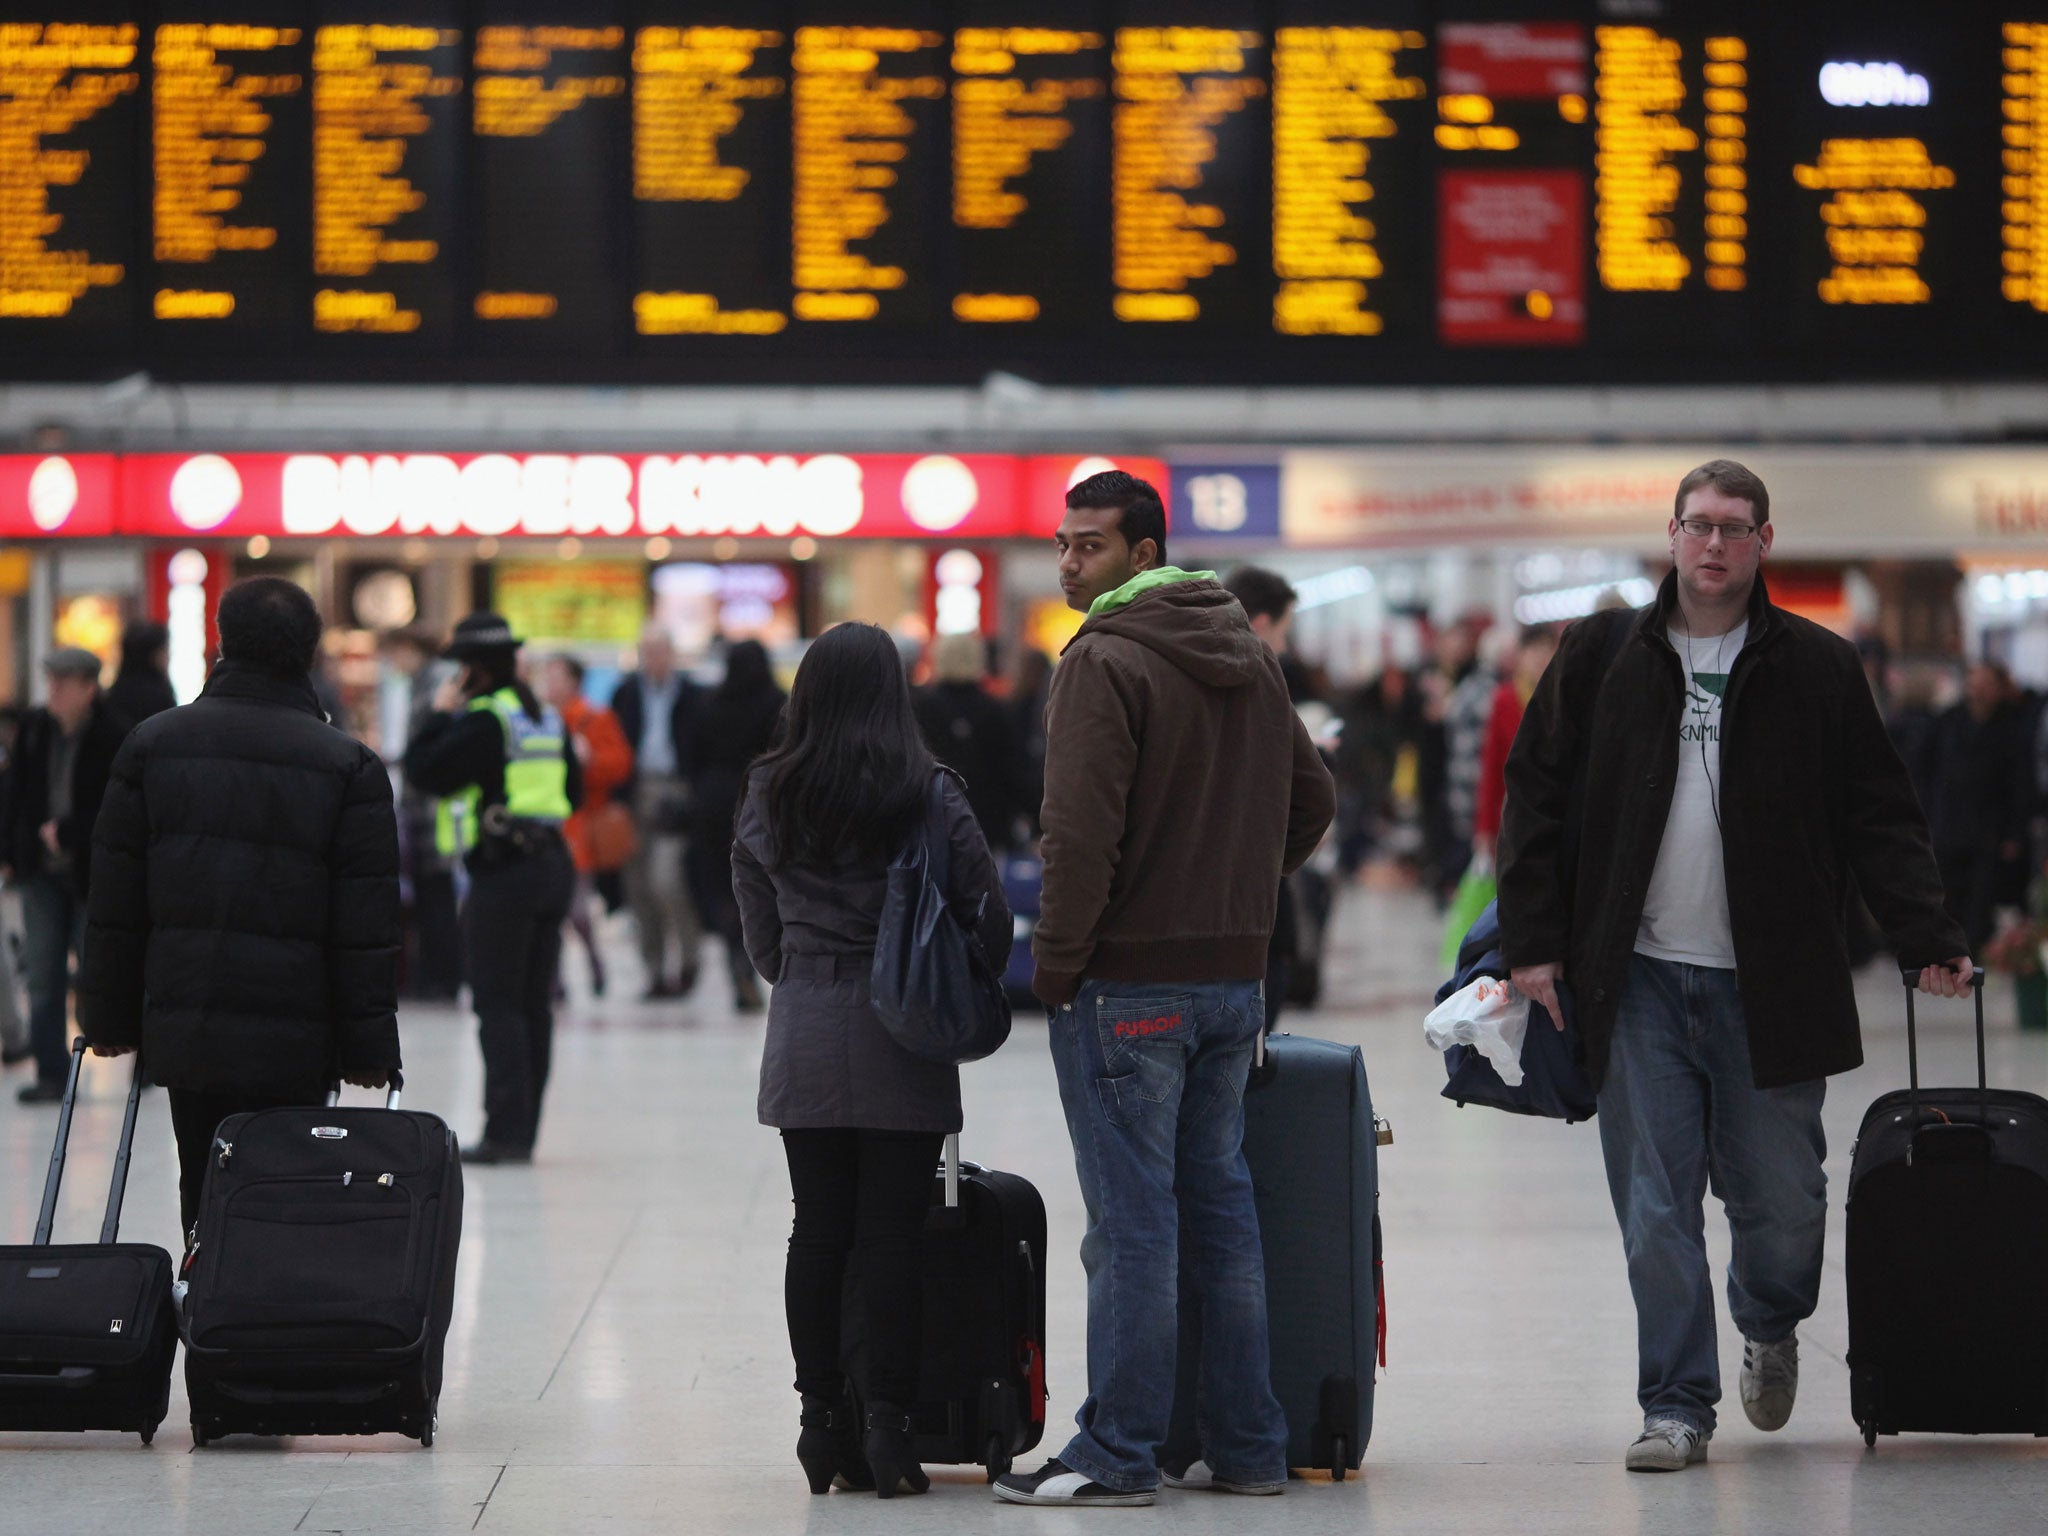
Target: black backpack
column 933, row 988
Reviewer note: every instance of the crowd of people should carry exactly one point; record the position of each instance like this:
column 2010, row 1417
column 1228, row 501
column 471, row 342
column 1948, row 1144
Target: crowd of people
column 231, row 880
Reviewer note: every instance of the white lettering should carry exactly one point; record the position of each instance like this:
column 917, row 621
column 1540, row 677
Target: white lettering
column 697, row 496
column 1873, row 85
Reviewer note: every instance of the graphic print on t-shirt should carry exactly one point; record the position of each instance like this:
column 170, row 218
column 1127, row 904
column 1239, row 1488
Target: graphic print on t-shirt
column 1685, row 909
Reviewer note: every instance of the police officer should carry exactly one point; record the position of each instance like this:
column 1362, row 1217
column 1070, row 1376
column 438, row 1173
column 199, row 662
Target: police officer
column 508, row 777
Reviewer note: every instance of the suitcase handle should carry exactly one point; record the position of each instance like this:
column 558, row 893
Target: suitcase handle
column 952, row 1171
column 391, row 1094
column 110, row 1225
column 1912, row 981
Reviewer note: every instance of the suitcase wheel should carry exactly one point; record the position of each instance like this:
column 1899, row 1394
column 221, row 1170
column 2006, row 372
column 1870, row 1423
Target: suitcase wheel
column 1340, row 1458
column 149, row 1434
column 427, row 1436
column 1870, row 1434
column 200, row 1438
column 995, row 1460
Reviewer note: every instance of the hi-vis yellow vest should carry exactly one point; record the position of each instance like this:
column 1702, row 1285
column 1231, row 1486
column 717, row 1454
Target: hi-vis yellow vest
column 536, row 775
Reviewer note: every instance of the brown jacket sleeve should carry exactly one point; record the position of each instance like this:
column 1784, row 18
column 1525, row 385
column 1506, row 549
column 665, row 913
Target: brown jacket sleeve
column 1312, row 805
column 1091, row 758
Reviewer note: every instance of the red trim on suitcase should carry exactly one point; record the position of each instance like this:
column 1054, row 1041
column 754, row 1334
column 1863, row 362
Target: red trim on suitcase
column 1031, row 1361
column 1379, row 1286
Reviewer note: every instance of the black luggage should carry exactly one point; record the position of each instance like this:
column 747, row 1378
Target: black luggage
column 87, row 1335
column 1311, row 1143
column 322, row 1273
column 1948, row 1257
column 983, row 1393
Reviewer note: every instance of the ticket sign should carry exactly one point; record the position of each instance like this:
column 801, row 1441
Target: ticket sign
column 56, row 495
column 546, row 495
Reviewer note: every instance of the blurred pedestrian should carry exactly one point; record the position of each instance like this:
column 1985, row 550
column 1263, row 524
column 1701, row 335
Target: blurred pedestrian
column 972, row 733
column 143, row 686
column 1691, row 789
column 861, row 1118
column 1030, row 679
column 740, row 721
column 1466, row 714
column 244, row 924
column 1268, row 600
column 1534, row 648
column 504, row 761
column 1382, row 726
column 56, row 779
column 657, row 708
column 1180, row 786
column 600, row 834
column 431, row 966
column 1980, row 800
column 1445, row 849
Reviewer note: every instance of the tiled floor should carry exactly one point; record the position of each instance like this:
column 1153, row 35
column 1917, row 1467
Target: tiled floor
column 618, row 1360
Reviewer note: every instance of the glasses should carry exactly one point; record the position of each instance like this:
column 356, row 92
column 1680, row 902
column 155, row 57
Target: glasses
column 1701, row 528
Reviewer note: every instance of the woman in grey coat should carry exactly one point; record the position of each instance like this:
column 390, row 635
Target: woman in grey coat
column 861, row 1118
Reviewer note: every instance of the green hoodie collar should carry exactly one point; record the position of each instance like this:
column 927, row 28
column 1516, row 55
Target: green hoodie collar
column 1140, row 584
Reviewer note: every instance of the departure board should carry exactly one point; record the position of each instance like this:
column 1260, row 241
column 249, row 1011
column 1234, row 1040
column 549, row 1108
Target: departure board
column 1350, row 119
column 1072, row 191
column 70, row 105
column 1031, row 115
column 388, row 130
column 710, row 181
column 1190, row 172
column 868, row 106
column 230, row 145
column 549, row 135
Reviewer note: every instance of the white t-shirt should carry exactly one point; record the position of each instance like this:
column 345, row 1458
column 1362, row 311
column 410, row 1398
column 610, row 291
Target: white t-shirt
column 1685, row 912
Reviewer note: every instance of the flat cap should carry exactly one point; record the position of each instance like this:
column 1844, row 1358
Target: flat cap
column 72, row 661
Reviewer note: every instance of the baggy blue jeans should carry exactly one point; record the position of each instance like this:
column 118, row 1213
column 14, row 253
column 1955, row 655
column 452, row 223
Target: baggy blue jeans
column 1152, row 1077
column 1679, row 1114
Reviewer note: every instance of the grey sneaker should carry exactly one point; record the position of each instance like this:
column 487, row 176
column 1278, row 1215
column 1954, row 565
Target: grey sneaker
column 1667, row 1445
column 1197, row 1474
column 1770, row 1380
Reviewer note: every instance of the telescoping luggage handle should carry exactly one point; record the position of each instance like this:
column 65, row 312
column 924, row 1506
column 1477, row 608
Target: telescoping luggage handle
column 1912, row 980
column 391, row 1094
column 110, row 1226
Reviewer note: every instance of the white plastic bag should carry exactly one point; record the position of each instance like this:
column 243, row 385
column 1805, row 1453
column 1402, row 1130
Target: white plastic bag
column 1491, row 1017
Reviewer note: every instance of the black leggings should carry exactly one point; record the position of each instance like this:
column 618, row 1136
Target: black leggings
column 861, row 1198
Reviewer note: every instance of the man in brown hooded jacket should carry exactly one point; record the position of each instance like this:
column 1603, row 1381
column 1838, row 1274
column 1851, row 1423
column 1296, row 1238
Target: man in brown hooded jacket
column 1179, row 786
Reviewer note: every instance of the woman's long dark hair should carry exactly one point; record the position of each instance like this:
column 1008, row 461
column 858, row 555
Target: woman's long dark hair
column 850, row 778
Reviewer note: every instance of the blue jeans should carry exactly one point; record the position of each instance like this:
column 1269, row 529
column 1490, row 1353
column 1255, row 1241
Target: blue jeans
column 1152, row 1077
column 52, row 932
column 1680, row 1113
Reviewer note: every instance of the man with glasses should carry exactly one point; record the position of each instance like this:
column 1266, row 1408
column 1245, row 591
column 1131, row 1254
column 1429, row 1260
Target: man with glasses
column 1693, row 786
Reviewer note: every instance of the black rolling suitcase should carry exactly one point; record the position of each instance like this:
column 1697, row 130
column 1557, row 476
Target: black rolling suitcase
column 87, row 1334
column 1311, row 1142
column 982, row 1396
column 322, row 1273
column 1948, row 1257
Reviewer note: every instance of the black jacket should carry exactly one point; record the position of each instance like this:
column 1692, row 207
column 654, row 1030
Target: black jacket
column 733, row 730
column 628, row 705
column 1812, row 792
column 244, row 922
column 974, row 735
column 25, row 793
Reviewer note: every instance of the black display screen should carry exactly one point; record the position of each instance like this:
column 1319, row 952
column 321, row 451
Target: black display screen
column 1078, row 191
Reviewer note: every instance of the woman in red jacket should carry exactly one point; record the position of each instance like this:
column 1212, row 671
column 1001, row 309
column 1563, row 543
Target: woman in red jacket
column 1533, row 650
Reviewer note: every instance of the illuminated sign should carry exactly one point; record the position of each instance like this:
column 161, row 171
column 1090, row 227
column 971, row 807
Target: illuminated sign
column 1872, row 85
column 2024, row 204
column 545, row 495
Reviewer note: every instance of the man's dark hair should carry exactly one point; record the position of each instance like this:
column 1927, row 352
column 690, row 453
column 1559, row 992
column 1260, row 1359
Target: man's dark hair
column 1730, row 479
column 572, row 666
column 270, row 624
column 1263, row 593
column 1140, row 513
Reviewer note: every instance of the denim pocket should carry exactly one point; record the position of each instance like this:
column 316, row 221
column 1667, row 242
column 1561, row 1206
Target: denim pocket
column 1134, row 1029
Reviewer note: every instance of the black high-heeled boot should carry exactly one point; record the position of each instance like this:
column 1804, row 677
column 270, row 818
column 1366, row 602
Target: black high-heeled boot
column 829, row 1447
column 892, row 1456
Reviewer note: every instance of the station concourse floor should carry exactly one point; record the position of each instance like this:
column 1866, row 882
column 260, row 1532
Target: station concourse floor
column 618, row 1361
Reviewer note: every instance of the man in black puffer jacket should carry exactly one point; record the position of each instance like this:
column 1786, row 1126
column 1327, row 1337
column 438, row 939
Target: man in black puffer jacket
column 243, row 925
